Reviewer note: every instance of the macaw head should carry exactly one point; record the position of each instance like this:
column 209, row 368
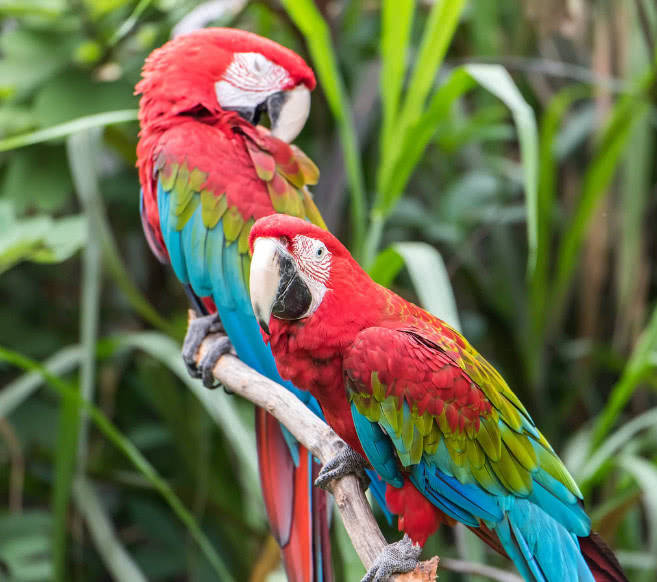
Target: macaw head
column 222, row 69
column 298, row 270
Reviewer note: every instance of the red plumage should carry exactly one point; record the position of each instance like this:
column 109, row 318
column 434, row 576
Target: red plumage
column 418, row 359
column 182, row 123
column 180, row 117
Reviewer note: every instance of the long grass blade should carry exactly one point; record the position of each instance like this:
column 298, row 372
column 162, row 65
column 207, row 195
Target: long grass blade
column 66, row 391
column 498, row 82
column 15, row 393
column 418, row 136
column 68, row 425
column 538, row 277
column 640, row 363
column 310, row 22
column 68, row 128
column 102, row 231
column 436, row 38
column 645, row 474
column 626, row 113
column 589, row 472
column 396, row 22
column 82, row 155
column 116, row 558
column 437, row 35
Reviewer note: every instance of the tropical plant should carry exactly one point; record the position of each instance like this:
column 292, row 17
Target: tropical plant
column 492, row 160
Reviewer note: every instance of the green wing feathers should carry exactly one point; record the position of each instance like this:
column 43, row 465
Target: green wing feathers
column 451, row 410
column 285, row 174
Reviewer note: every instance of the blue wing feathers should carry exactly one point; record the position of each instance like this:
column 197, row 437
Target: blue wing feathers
column 548, row 550
column 378, row 448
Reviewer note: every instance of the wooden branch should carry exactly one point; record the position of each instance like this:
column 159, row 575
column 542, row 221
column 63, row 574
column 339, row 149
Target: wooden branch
column 319, row 438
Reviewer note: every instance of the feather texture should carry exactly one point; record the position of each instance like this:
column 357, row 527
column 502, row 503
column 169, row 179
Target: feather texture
column 434, row 419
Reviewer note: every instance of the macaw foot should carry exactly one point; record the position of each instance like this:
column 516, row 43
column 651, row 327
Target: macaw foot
column 346, row 462
column 397, row 558
column 199, row 329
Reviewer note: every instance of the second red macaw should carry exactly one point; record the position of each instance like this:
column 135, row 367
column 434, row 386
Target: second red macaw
column 430, row 414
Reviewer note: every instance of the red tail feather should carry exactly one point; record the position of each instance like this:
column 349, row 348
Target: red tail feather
column 601, row 560
column 297, row 512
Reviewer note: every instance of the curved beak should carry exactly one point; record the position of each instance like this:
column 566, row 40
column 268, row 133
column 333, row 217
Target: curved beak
column 275, row 284
column 288, row 112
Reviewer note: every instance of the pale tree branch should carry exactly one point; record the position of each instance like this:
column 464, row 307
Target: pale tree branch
column 319, row 438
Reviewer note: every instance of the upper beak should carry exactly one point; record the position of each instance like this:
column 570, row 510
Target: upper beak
column 275, row 284
column 288, row 112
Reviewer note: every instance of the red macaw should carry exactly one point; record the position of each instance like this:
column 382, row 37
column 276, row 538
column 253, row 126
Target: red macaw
column 431, row 415
column 207, row 173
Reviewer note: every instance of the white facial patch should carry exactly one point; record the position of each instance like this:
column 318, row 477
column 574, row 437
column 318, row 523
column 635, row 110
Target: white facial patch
column 314, row 264
column 249, row 80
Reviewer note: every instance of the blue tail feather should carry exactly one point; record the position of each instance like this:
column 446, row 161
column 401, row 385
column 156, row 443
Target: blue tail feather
column 540, row 546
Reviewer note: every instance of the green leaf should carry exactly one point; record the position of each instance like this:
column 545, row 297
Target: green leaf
column 95, row 209
column 68, row 128
column 310, row 22
column 62, row 240
column 588, row 473
column 438, row 32
column 49, row 189
column 217, row 403
column 16, row 119
column 74, row 94
column 550, row 123
column 15, row 393
column 386, row 266
column 645, row 474
column 396, row 23
column 413, row 117
column 29, row 58
column 38, row 238
column 25, row 546
column 641, row 361
column 41, row 8
column 498, row 82
column 413, row 142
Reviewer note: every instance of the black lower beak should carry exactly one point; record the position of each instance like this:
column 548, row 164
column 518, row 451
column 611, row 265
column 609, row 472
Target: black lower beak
column 293, row 298
column 250, row 114
column 274, row 105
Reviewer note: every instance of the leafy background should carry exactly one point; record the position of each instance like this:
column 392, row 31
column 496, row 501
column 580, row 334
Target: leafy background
column 490, row 157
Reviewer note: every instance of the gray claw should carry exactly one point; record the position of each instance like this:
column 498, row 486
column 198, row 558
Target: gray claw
column 397, row 558
column 197, row 331
column 346, row 462
column 219, row 346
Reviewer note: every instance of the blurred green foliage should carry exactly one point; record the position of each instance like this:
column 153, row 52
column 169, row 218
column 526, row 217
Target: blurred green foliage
column 506, row 147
